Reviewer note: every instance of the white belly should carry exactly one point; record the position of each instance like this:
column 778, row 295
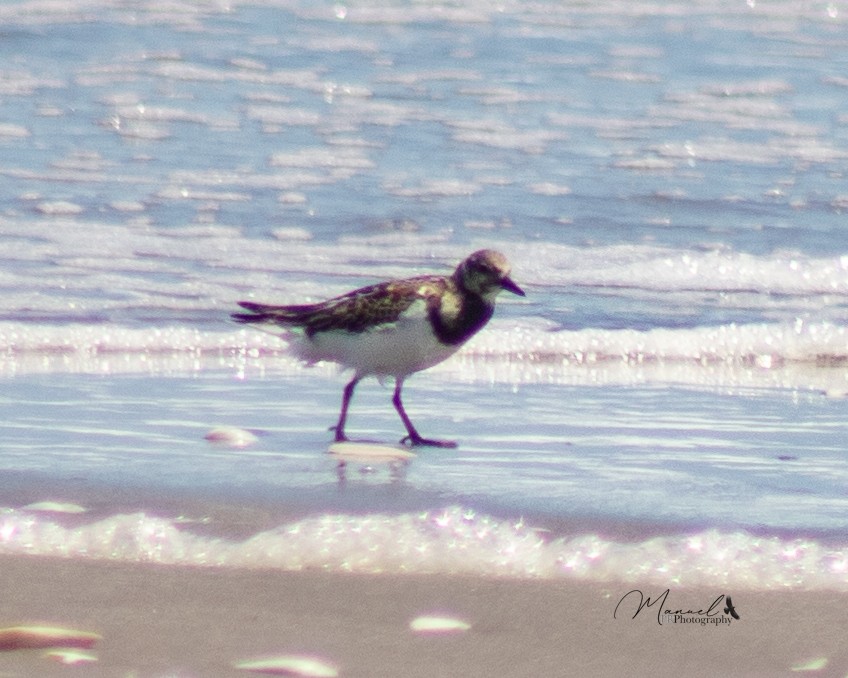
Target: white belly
column 395, row 349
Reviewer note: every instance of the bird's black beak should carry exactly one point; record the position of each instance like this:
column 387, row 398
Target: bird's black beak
column 510, row 286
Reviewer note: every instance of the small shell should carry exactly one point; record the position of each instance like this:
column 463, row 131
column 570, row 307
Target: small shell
column 435, row 624
column 290, row 665
column 369, row 453
column 54, row 507
column 70, row 656
column 816, row 664
column 231, row 436
column 20, row 637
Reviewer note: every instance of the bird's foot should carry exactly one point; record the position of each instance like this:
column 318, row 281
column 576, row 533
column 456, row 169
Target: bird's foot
column 340, row 437
column 418, row 441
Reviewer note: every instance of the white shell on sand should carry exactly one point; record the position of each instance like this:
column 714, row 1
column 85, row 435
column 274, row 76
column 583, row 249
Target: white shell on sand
column 70, row 656
column 437, row 624
column 811, row 665
column 54, row 507
column 231, row 436
column 290, row 665
column 21, row 637
column 369, row 452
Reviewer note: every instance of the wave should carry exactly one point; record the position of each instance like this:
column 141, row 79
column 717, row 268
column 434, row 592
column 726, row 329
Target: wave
column 797, row 355
column 703, row 314
column 52, row 272
column 451, row 540
column 703, row 267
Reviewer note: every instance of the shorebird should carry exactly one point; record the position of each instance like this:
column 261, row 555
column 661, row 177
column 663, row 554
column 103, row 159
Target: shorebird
column 393, row 328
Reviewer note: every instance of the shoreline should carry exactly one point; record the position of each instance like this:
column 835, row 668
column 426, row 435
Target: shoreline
column 158, row 620
column 238, row 513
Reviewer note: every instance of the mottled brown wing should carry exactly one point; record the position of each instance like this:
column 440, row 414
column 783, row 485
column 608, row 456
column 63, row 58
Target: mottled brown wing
column 373, row 305
column 355, row 311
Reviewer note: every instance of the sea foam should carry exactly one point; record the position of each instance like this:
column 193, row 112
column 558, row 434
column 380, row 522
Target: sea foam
column 806, row 356
column 450, row 540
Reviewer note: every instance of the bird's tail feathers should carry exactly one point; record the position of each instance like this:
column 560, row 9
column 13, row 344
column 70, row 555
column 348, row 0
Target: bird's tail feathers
column 266, row 313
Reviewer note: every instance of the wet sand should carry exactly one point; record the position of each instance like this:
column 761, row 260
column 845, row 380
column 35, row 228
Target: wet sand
column 162, row 620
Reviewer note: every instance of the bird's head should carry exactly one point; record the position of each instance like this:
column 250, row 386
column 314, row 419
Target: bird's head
column 486, row 272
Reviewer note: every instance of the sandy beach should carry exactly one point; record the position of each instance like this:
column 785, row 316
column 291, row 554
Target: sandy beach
column 158, row 621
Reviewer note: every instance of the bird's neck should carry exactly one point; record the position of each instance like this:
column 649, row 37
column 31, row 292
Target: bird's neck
column 459, row 316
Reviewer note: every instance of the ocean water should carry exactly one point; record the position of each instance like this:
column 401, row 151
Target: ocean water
column 669, row 402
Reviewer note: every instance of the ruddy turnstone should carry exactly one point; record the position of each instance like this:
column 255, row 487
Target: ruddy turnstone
column 393, row 328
